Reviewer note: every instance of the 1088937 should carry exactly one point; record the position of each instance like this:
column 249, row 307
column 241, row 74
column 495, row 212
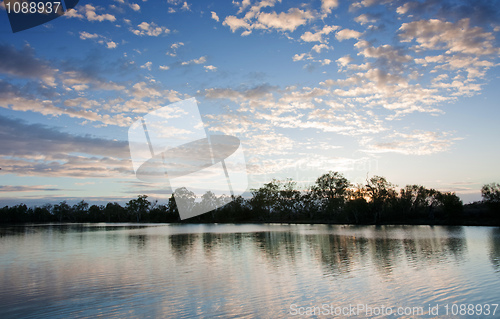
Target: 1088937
column 27, row 14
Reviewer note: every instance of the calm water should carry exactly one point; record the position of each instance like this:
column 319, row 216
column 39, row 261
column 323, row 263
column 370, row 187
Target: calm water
column 266, row 271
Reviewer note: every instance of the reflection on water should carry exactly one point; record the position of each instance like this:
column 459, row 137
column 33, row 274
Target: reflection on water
column 494, row 242
column 129, row 270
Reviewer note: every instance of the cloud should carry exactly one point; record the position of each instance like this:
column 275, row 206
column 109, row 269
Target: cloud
column 387, row 80
column 153, row 92
column 23, row 64
column 481, row 12
column 99, row 38
column 318, row 36
column 386, row 55
column 365, row 18
column 73, row 13
column 200, row 60
column 328, row 5
column 78, row 77
column 255, row 19
column 347, row 34
column 300, row 57
column 149, row 29
column 404, row 8
column 147, row 65
column 214, row 16
column 285, row 21
column 319, row 47
column 91, row 15
column 32, row 140
column 85, row 35
column 111, row 45
column 186, row 6
column 135, row 6
column 414, row 143
column 326, row 61
column 367, row 3
column 81, row 102
column 173, row 48
column 244, row 93
column 163, row 67
column 210, row 68
column 28, row 188
column 235, row 23
column 457, row 37
column 176, row 45
column 141, row 89
column 80, row 87
column 345, row 60
column 268, row 108
column 474, row 66
column 12, row 97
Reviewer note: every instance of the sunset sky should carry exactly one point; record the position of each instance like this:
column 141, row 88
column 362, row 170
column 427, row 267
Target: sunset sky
column 406, row 90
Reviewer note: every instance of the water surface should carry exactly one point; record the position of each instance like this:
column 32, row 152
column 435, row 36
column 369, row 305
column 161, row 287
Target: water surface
column 238, row 271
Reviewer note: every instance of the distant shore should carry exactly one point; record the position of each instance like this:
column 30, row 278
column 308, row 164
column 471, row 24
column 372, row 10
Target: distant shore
column 331, row 200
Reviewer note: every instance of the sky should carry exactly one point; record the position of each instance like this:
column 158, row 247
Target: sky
column 407, row 90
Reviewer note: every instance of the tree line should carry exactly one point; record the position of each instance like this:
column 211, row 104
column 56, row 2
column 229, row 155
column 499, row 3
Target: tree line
column 331, row 199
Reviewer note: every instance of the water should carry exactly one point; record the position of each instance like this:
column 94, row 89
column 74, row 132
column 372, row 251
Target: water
column 247, row 271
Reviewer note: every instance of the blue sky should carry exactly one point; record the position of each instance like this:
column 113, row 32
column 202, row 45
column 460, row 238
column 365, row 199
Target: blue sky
column 405, row 90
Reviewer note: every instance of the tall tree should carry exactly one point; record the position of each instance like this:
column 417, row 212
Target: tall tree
column 139, row 207
column 382, row 194
column 331, row 190
column 264, row 198
column 491, row 196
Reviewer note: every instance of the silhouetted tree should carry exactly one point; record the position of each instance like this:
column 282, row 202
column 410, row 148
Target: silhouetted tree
column 96, row 213
column 288, row 199
column 276, row 200
column 42, row 214
column 139, row 207
column 417, row 201
column 331, row 189
column 264, row 198
column 310, row 206
column 450, row 205
column 158, row 214
column 491, row 196
column 357, row 211
column 172, row 211
column 115, row 212
column 80, row 211
column 382, row 195
column 62, row 211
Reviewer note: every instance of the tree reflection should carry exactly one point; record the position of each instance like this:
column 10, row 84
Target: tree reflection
column 278, row 247
column 140, row 241
column 336, row 250
column 384, row 248
column 387, row 253
column 182, row 244
column 338, row 254
column 494, row 241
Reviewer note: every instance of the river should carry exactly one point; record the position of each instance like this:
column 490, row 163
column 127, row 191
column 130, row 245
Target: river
column 248, row 271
